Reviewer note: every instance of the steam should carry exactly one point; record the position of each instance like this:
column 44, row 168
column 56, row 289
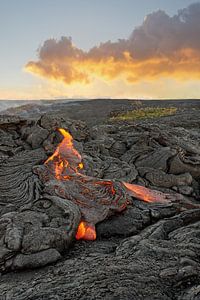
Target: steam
column 162, row 46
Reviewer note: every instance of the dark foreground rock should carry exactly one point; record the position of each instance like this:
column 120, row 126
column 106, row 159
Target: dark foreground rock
column 149, row 251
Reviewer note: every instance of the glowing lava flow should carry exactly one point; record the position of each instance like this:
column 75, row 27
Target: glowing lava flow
column 145, row 194
column 86, row 231
column 96, row 198
column 65, row 160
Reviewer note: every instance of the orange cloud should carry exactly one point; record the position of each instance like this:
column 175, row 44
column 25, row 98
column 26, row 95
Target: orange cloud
column 162, row 46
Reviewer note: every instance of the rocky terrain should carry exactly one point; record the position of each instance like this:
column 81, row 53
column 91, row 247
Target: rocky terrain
column 147, row 251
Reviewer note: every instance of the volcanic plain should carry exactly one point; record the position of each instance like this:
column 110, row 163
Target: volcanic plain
column 149, row 250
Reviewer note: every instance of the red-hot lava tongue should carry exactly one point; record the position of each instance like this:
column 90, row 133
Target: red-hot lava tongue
column 96, row 198
column 66, row 160
column 86, row 231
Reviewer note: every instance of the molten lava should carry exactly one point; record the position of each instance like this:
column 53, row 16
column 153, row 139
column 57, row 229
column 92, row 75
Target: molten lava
column 86, row 232
column 65, row 160
column 97, row 199
column 145, row 194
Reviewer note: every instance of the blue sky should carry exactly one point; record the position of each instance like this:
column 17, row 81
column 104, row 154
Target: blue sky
column 26, row 24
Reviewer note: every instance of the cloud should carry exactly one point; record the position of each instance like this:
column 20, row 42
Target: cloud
column 162, row 46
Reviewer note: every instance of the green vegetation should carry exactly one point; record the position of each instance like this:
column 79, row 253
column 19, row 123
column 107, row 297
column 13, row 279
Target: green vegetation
column 144, row 113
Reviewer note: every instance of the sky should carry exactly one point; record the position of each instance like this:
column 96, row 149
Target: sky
column 54, row 49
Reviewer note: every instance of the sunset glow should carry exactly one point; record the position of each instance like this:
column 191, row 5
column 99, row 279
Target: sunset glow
column 181, row 65
column 159, row 51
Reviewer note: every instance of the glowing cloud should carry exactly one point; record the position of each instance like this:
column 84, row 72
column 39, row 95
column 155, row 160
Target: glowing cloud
column 162, row 46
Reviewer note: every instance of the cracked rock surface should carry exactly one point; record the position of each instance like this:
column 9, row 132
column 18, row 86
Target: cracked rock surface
column 148, row 251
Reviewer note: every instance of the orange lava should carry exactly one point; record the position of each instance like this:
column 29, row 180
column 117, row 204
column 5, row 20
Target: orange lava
column 86, row 231
column 145, row 194
column 65, row 159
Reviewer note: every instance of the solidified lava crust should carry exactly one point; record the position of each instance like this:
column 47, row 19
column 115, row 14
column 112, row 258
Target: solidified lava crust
column 142, row 250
